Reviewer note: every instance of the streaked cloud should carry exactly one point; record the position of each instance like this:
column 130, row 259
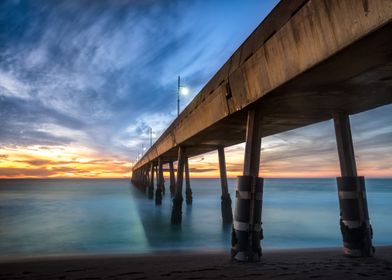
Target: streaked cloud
column 12, row 87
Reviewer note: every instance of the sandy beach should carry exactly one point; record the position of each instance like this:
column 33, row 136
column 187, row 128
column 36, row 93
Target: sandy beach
column 276, row 264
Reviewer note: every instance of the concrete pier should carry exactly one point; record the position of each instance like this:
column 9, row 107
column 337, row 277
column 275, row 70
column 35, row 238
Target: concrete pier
column 227, row 213
column 280, row 79
column 354, row 217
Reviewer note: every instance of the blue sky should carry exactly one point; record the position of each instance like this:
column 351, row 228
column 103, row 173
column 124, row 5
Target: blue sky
column 86, row 79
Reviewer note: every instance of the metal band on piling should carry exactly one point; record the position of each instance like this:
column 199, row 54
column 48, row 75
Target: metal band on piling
column 247, row 233
column 354, row 217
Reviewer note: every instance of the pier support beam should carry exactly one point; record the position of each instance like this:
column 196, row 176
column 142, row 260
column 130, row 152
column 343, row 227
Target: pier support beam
column 147, row 181
column 145, row 178
column 139, row 178
column 247, row 231
column 140, row 186
column 354, row 217
column 159, row 190
column 188, row 190
column 176, row 215
column 172, row 179
column 133, row 177
column 150, row 192
column 227, row 214
column 162, row 180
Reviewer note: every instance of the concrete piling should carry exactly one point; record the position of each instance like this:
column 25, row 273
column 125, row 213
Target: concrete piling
column 227, row 213
column 159, row 190
column 176, row 216
column 139, row 179
column 354, row 217
column 247, row 230
column 172, row 179
column 150, row 192
column 188, row 190
column 145, row 179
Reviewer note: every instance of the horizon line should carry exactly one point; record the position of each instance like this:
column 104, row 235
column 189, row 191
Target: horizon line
column 126, row 178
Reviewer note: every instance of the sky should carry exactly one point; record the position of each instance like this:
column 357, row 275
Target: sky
column 82, row 82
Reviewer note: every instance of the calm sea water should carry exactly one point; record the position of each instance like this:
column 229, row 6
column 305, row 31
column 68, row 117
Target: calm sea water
column 41, row 217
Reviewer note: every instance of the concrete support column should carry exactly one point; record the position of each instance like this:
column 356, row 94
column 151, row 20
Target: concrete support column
column 133, row 176
column 150, row 192
column 145, row 178
column 142, row 174
column 161, row 177
column 176, row 215
column 142, row 177
column 163, row 184
column 172, row 179
column 137, row 178
column 159, row 190
column 354, row 217
column 227, row 214
column 188, row 190
column 247, row 231
column 147, row 183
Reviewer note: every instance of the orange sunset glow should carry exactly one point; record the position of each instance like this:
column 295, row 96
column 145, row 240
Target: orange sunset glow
column 59, row 162
column 292, row 154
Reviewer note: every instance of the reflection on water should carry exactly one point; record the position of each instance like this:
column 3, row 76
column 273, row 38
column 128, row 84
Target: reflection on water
column 88, row 216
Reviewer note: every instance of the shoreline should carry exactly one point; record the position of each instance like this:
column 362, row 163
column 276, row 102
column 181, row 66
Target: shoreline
column 314, row 263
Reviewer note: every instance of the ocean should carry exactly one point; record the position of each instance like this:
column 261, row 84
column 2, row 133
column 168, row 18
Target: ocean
column 55, row 217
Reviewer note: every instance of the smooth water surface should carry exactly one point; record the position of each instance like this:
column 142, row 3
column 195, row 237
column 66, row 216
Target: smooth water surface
column 41, row 217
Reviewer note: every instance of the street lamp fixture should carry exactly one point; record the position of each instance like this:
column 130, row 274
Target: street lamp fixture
column 184, row 90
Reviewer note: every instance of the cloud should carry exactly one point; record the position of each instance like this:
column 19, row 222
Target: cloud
column 59, row 162
column 202, row 170
column 24, row 172
column 12, row 87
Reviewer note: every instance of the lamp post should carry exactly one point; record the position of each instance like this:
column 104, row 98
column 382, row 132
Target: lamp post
column 178, row 96
column 180, row 89
column 143, row 150
column 150, row 136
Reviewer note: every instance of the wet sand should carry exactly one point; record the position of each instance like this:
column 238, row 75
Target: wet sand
column 276, row 264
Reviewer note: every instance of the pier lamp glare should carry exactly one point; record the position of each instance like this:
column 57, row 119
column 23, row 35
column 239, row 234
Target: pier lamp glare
column 184, row 90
